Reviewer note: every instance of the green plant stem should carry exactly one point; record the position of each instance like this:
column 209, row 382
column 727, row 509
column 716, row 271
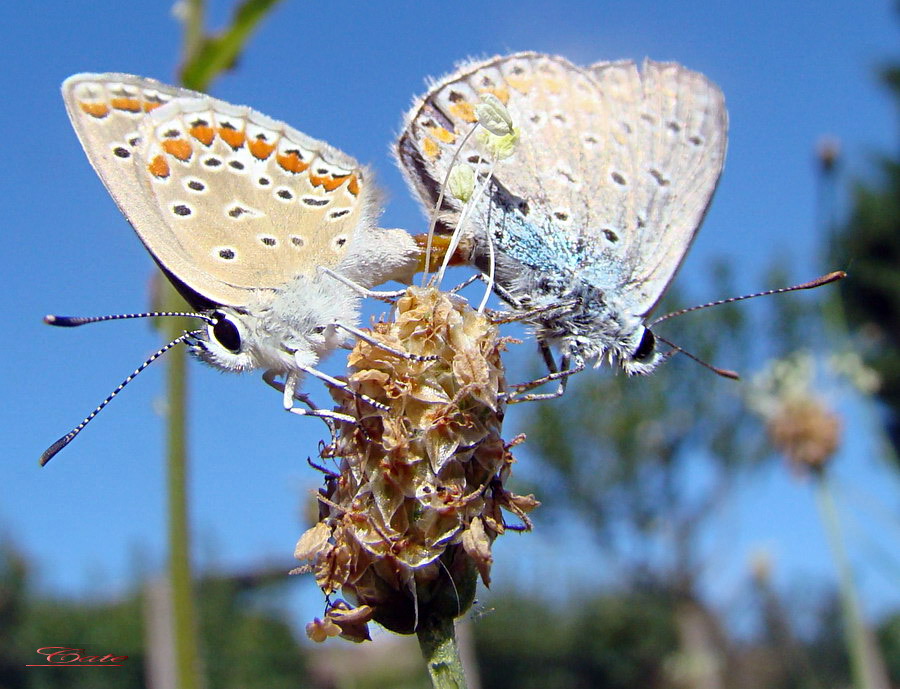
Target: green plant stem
column 184, row 620
column 437, row 639
column 184, row 614
column 211, row 55
column 208, row 59
column 193, row 30
column 854, row 631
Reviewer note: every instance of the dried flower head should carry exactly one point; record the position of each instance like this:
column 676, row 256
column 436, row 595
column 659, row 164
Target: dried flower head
column 806, row 432
column 407, row 524
column 828, row 153
column 798, row 419
column 761, row 566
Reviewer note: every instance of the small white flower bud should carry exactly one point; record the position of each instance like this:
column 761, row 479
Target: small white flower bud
column 461, row 183
column 493, row 115
column 498, row 147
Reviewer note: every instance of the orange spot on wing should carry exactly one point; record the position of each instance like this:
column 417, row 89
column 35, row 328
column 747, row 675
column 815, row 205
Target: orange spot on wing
column 203, row 133
column 233, row 137
column 127, row 104
column 442, row 134
column 151, row 105
column 519, row 83
column 180, row 148
column 553, row 85
column 98, row 110
column 353, row 185
column 330, row 183
column 335, row 182
column 261, row 149
column 463, row 110
column 159, row 167
column 291, row 162
column 432, row 150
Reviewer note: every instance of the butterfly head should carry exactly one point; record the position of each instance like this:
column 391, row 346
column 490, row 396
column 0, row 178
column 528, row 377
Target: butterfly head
column 227, row 341
column 282, row 332
column 590, row 326
column 634, row 351
column 641, row 358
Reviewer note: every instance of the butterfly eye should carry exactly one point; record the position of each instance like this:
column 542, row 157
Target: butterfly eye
column 646, row 347
column 318, row 330
column 226, row 333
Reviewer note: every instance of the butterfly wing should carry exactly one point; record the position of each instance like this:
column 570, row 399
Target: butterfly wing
column 546, row 97
column 667, row 129
column 595, row 188
column 225, row 199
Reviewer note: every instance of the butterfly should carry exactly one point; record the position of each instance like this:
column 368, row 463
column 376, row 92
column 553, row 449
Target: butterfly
column 270, row 235
column 586, row 223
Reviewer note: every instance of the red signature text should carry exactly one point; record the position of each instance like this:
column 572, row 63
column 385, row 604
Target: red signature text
column 63, row 655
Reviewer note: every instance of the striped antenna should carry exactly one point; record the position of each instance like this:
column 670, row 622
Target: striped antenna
column 74, row 321
column 812, row 284
column 70, row 436
column 724, row 372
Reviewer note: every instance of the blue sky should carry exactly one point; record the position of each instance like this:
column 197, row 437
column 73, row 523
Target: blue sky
column 345, row 72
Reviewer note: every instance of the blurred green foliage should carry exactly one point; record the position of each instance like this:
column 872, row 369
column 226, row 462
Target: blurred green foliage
column 618, row 640
column 246, row 645
column 868, row 245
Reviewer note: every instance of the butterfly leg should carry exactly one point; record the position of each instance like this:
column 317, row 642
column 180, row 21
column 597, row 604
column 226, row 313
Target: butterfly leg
column 498, row 289
column 547, row 356
column 497, row 317
column 561, row 373
column 365, row 337
column 503, row 317
column 520, row 312
column 340, row 385
column 388, row 295
column 270, row 379
column 465, row 283
column 290, row 393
